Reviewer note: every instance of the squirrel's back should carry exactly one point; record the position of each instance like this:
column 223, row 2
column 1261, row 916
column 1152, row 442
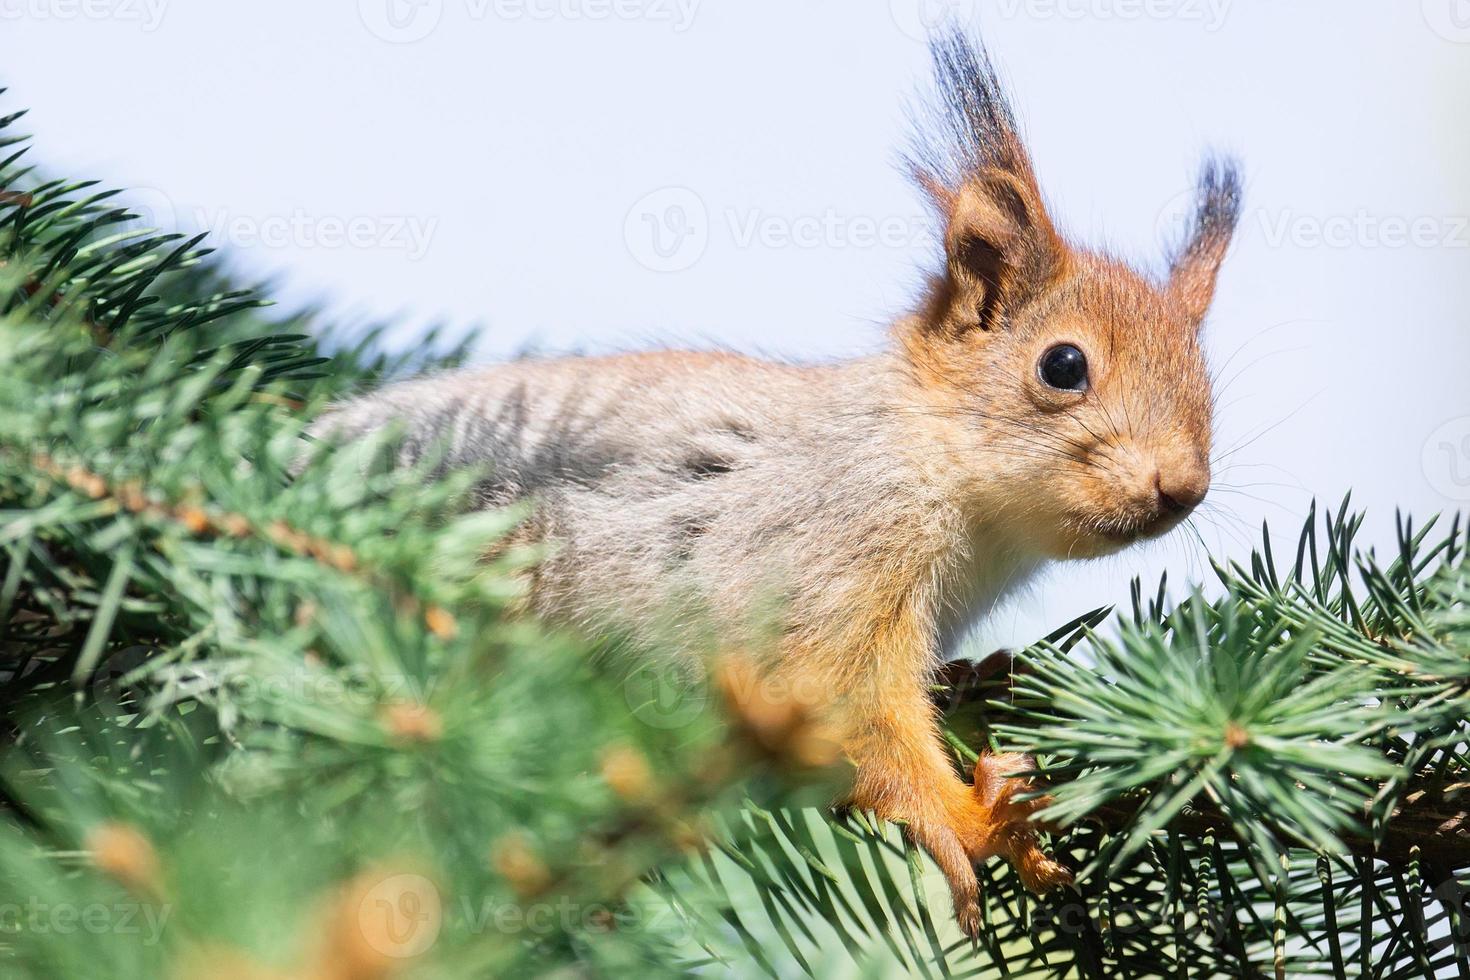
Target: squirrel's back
column 662, row 417
column 710, row 478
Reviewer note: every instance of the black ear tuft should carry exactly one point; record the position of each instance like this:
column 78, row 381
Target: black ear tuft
column 1217, row 205
column 969, row 128
column 1197, row 259
column 1000, row 246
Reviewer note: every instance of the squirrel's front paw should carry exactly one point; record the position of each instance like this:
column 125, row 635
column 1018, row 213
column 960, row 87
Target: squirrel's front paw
column 1003, row 825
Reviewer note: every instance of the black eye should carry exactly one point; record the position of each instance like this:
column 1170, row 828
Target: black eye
column 1064, row 367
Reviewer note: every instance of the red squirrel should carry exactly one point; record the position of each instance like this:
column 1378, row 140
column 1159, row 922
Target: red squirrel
column 1042, row 402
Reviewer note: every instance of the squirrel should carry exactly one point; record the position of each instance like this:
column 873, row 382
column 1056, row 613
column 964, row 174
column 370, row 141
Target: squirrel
column 1043, row 402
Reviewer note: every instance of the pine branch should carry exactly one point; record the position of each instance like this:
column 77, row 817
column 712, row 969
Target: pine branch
column 1432, row 820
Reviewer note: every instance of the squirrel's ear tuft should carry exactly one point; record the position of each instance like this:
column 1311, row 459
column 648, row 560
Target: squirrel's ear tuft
column 999, row 242
column 1197, row 262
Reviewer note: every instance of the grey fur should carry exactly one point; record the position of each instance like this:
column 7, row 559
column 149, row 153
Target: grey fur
column 670, row 486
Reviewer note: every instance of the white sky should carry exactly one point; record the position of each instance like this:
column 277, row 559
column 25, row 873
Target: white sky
column 506, row 163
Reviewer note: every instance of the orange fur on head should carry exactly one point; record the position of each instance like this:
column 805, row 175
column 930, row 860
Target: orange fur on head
column 1127, row 455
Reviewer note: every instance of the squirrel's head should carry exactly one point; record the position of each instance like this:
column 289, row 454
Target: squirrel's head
column 1071, row 389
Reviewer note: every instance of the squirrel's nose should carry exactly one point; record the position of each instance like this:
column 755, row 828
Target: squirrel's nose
column 1182, row 489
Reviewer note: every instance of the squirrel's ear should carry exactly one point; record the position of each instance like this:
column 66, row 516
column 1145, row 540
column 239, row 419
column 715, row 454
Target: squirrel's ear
column 1195, row 265
column 999, row 244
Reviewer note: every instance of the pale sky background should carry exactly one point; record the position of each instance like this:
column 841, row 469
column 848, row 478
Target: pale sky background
column 605, row 174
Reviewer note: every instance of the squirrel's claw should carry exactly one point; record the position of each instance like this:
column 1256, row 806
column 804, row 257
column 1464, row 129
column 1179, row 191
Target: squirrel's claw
column 1039, row 873
column 967, row 915
column 1006, row 828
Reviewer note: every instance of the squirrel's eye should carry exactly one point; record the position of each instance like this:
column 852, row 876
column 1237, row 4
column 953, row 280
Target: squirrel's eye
column 1064, row 367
